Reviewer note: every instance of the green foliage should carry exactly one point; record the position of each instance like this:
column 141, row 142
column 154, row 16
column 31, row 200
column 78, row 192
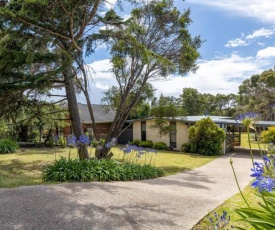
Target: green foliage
column 206, row 137
column 161, row 109
column 160, row 145
column 186, row 147
column 260, row 218
column 146, row 144
column 98, row 170
column 268, row 136
column 62, row 142
column 135, row 142
column 7, row 146
column 49, row 142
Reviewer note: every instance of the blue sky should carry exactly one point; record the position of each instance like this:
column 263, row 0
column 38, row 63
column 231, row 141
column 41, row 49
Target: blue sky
column 239, row 42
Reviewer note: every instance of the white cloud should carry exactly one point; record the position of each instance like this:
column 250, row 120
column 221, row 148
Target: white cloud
column 268, row 52
column 262, row 10
column 110, row 4
column 261, row 33
column 247, row 40
column 220, row 75
column 236, row 42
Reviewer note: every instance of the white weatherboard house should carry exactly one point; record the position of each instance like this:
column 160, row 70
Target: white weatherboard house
column 142, row 130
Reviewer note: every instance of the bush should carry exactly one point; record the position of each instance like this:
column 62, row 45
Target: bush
column 62, row 142
column 98, row 170
column 268, row 136
column 7, row 146
column 135, row 142
column 160, row 145
column 146, row 144
column 186, row 148
column 206, row 137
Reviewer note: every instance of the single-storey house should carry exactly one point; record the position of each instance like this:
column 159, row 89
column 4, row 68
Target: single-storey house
column 143, row 130
column 104, row 116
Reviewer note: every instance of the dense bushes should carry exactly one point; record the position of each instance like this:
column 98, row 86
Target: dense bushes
column 268, row 136
column 135, row 142
column 145, row 144
column 206, row 137
column 98, row 170
column 186, row 147
column 160, row 145
column 7, row 146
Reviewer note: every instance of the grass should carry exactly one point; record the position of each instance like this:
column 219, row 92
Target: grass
column 25, row 166
column 254, row 144
column 236, row 201
column 229, row 206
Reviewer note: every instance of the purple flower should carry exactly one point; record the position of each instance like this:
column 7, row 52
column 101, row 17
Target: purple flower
column 71, row 140
column 111, row 143
column 84, row 139
column 99, row 147
column 264, row 174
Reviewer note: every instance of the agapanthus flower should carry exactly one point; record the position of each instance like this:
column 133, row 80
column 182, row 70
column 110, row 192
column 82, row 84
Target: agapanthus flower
column 111, row 143
column 264, row 175
column 84, row 139
column 220, row 221
column 247, row 119
column 99, row 147
column 71, row 140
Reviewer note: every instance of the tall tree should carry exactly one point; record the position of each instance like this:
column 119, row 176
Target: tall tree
column 169, row 49
column 192, row 101
column 256, row 94
column 64, row 29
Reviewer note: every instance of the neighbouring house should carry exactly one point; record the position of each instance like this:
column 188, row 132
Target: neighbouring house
column 104, row 116
column 143, row 130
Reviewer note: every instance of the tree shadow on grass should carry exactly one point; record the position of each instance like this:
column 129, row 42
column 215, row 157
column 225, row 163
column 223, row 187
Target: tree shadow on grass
column 36, row 151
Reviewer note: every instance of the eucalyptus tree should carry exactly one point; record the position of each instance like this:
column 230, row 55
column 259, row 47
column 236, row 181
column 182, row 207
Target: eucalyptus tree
column 169, row 49
column 256, row 94
column 192, row 101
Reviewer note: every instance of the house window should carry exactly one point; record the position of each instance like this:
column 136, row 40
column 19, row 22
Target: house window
column 173, row 134
column 143, row 131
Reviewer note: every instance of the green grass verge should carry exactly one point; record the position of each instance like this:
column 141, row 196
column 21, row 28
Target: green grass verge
column 229, row 206
column 25, row 167
column 254, row 144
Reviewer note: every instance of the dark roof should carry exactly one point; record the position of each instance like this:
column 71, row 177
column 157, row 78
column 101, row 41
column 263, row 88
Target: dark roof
column 102, row 113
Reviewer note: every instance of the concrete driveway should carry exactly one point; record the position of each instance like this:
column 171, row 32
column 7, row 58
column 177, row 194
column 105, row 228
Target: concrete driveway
column 173, row 202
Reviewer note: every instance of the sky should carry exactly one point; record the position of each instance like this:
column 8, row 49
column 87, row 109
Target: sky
column 239, row 41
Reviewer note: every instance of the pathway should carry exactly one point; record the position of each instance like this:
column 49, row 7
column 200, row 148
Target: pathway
column 173, row 202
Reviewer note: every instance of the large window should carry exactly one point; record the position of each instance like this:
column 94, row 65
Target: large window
column 143, row 130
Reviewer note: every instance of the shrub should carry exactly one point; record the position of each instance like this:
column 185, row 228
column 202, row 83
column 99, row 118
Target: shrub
column 49, row 142
column 268, row 136
column 62, row 142
column 186, row 148
column 146, row 144
column 206, row 137
column 8, row 146
column 160, row 145
column 98, row 170
column 135, row 142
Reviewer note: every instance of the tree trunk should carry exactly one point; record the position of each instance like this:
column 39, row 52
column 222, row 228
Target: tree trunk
column 74, row 113
column 91, row 115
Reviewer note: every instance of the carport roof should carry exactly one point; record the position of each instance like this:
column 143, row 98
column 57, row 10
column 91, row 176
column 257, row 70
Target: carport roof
column 216, row 119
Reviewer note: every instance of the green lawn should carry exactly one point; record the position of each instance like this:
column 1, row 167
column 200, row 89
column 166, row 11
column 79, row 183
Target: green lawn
column 24, row 167
column 236, row 201
column 233, row 203
column 254, row 144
